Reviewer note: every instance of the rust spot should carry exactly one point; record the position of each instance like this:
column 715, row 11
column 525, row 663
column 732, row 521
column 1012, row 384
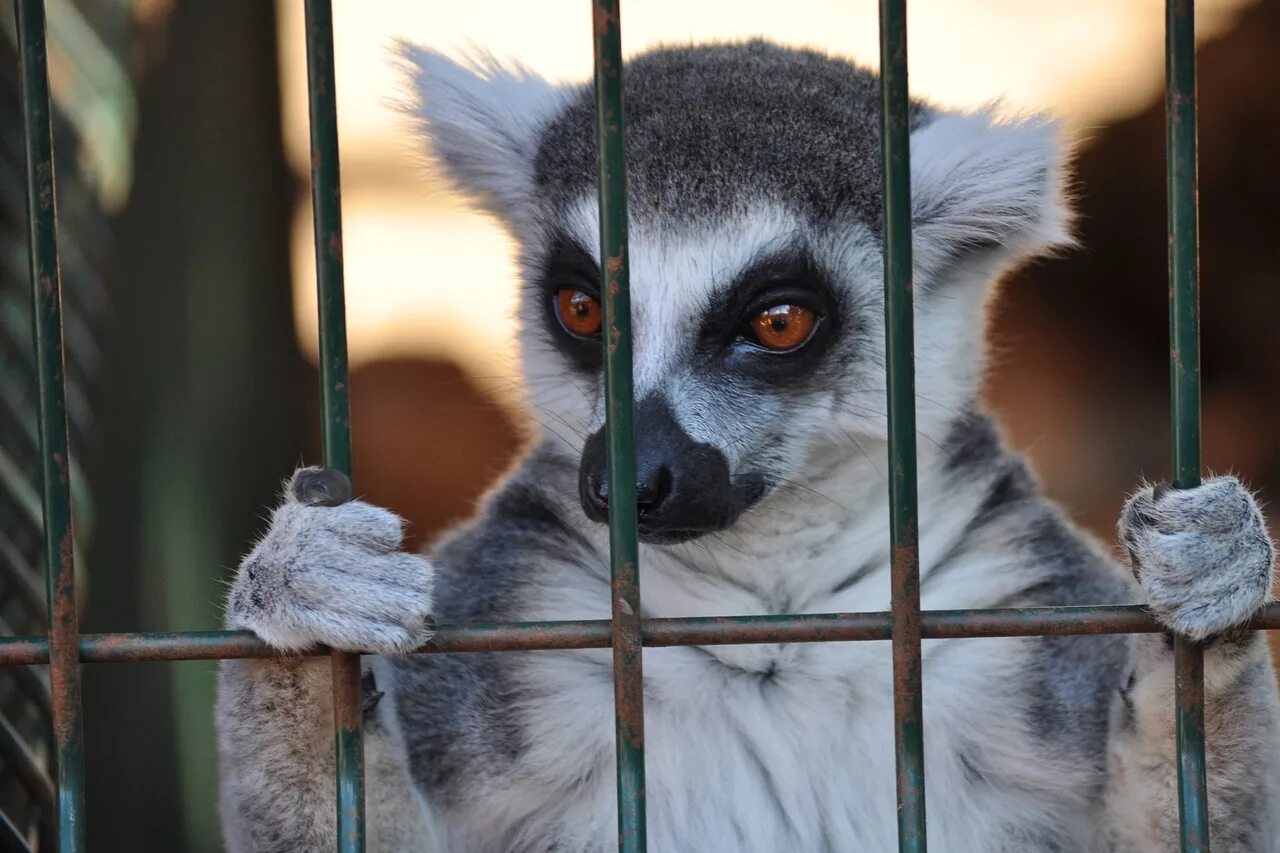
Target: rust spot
column 906, row 553
column 64, row 651
column 334, row 245
column 348, row 704
column 602, row 18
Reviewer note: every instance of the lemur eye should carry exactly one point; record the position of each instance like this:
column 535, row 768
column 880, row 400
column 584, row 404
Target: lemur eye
column 783, row 327
column 579, row 312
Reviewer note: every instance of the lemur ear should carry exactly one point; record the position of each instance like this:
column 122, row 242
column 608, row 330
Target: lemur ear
column 982, row 186
column 481, row 120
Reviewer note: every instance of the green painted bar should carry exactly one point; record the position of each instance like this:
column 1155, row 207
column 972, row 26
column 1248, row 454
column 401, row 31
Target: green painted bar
column 1184, row 385
column 628, row 689
column 326, row 198
column 908, row 709
column 133, row 647
column 59, row 536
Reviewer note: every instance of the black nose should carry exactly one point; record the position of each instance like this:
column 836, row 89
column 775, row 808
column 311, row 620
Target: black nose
column 682, row 486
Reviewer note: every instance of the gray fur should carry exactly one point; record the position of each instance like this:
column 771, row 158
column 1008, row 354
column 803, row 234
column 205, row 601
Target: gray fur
column 740, row 155
column 815, row 139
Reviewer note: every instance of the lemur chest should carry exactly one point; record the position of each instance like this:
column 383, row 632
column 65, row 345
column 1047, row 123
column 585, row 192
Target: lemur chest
column 781, row 747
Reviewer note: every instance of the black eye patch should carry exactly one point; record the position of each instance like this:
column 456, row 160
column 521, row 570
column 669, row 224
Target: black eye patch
column 569, row 265
column 790, row 277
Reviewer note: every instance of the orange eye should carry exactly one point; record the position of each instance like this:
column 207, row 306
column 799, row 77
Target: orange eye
column 579, row 312
column 783, row 327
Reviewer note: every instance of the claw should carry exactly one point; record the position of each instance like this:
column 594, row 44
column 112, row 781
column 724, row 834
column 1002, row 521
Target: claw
column 371, row 694
column 321, row 487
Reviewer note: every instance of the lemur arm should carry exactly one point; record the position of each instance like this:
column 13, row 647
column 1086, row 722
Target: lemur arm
column 1205, row 562
column 326, row 573
column 276, row 748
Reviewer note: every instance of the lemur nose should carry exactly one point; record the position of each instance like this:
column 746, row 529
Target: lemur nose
column 652, row 487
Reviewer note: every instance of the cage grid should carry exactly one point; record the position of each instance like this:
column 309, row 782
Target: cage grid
column 63, row 650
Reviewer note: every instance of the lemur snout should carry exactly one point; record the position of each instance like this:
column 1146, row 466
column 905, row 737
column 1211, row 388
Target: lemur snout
column 683, row 487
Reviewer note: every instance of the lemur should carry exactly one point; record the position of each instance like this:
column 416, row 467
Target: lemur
column 760, row 428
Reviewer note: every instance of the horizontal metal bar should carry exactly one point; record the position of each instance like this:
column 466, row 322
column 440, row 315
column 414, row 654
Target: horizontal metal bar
column 595, row 633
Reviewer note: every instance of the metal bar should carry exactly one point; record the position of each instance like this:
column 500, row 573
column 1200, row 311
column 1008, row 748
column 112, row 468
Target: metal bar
column 908, row 706
column 597, row 633
column 11, row 840
column 59, row 534
column 22, row 763
column 1184, row 384
column 326, row 199
column 628, row 687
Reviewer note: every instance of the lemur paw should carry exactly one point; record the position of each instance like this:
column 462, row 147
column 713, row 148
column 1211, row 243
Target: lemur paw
column 1202, row 555
column 329, row 572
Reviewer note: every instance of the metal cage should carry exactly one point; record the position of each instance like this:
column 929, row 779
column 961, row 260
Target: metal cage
column 905, row 625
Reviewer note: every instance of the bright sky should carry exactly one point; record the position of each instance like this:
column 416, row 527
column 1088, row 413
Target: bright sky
column 425, row 276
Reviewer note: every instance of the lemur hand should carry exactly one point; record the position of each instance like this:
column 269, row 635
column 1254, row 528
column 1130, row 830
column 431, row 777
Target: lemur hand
column 1202, row 555
column 329, row 572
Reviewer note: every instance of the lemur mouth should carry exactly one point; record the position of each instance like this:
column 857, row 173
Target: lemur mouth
column 673, row 536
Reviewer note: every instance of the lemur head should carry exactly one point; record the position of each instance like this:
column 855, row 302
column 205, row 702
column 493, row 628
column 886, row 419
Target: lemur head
column 756, row 275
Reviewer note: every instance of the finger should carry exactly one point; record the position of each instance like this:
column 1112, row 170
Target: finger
column 320, row 487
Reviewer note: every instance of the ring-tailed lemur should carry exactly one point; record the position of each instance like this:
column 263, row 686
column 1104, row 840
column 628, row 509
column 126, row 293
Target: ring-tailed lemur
column 760, row 431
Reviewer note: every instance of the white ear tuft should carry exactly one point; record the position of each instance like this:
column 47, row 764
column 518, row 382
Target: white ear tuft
column 482, row 120
column 981, row 183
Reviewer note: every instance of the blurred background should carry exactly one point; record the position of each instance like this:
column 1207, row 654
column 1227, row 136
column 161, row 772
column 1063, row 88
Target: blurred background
column 188, row 266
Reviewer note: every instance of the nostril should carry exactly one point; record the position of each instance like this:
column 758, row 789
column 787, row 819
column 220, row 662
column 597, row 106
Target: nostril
column 653, row 490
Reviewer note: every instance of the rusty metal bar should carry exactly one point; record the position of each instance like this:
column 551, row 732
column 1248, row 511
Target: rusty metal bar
column 59, row 534
column 628, row 688
column 1184, row 384
column 908, row 702
column 597, row 634
column 326, row 198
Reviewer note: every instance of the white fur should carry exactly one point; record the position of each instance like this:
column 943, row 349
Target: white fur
column 481, row 118
column 978, row 180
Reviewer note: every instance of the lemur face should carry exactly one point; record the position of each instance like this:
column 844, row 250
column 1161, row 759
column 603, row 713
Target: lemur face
column 755, row 271
column 743, row 340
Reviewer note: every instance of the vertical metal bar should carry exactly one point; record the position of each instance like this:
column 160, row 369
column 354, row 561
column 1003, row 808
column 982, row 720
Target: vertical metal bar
column 326, row 199
column 900, row 376
column 1184, row 384
column 628, row 689
column 59, row 536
